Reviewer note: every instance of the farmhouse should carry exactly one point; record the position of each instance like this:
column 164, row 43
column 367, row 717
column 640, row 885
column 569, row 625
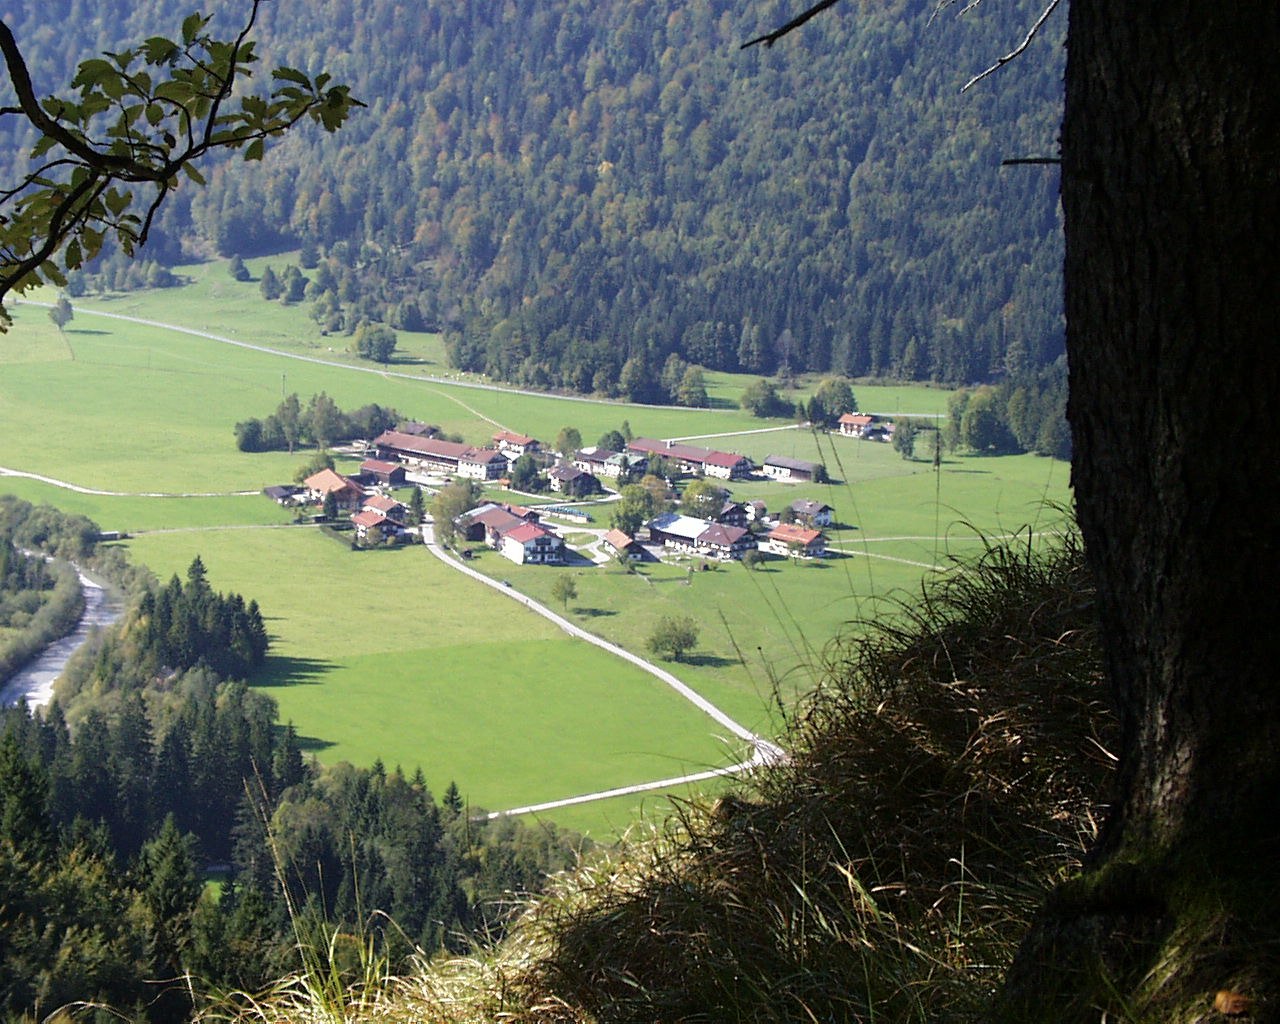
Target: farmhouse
column 371, row 525
column 603, row 462
column 693, row 460
column 790, row 539
column 725, row 542
column 346, row 492
column 391, row 473
column 569, row 479
column 514, row 445
column 531, row 543
column 732, row 513
column 490, row 521
column 391, row 509
column 813, row 513
column 448, row 457
column 854, row 424
column 622, row 544
column 699, row 537
column 782, row 467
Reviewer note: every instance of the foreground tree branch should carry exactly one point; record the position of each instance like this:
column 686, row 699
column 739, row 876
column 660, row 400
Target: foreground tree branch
column 144, row 116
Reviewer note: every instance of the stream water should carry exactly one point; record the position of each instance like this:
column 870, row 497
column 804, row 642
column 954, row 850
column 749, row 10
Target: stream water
column 35, row 680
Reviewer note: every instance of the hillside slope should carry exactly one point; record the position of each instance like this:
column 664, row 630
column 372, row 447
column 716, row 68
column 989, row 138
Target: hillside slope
column 569, row 185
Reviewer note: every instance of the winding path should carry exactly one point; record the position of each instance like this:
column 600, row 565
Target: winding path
column 764, row 751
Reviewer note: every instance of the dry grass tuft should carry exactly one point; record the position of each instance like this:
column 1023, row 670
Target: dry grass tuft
column 948, row 773
column 945, row 777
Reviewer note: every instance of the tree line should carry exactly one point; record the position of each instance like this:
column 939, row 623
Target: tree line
column 319, row 423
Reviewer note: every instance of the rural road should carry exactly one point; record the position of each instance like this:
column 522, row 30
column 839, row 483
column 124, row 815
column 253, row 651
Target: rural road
column 763, row 751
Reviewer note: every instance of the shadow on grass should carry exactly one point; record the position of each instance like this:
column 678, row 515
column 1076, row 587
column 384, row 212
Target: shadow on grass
column 313, row 744
column 595, row 613
column 286, row 671
column 85, row 330
column 708, row 660
column 574, row 560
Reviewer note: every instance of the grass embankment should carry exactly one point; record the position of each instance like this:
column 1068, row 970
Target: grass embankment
column 949, row 771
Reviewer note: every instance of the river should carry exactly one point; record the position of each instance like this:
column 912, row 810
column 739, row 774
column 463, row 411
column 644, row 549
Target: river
column 35, row 681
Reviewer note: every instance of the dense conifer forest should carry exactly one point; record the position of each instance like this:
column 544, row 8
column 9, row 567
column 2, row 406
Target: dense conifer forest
column 157, row 769
column 569, row 187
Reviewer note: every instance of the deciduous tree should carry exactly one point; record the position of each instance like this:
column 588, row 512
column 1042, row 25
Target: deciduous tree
column 673, row 636
column 564, row 590
column 141, row 119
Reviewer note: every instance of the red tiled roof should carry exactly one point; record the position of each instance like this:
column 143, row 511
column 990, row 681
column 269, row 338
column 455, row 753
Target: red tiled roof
column 857, row 419
column 526, row 532
column 378, row 466
column 508, row 436
column 327, row 480
column 618, row 540
column 726, row 459
column 790, row 533
column 368, row 518
column 685, row 452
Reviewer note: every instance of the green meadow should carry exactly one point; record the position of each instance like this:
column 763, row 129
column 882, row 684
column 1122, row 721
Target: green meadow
column 765, row 634
column 390, row 654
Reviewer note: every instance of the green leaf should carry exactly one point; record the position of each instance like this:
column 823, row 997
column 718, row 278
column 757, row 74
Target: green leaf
column 292, row 75
column 191, row 26
column 254, row 150
column 159, row 50
column 73, row 257
column 45, row 144
column 93, row 72
column 155, row 114
column 193, row 174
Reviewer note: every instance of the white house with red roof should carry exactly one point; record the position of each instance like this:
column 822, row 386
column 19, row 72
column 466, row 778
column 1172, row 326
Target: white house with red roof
column 370, row 524
column 794, row 539
column 531, row 543
column 854, row 424
column 512, row 444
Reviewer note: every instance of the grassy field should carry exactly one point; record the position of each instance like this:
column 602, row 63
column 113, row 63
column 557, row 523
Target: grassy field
column 391, row 655
column 766, row 632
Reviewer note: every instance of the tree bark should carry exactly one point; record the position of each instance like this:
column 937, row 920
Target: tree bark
column 1171, row 196
column 1171, row 200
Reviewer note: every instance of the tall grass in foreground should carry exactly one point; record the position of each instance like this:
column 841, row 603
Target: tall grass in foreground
column 947, row 772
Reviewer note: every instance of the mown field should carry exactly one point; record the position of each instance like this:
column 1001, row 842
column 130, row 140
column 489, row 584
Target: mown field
column 391, row 655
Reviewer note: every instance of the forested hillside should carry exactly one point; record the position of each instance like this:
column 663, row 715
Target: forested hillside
column 569, row 185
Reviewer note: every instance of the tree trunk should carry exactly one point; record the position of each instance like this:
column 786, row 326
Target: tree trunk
column 1171, row 196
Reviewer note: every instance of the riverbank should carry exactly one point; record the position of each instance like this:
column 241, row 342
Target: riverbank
column 34, row 682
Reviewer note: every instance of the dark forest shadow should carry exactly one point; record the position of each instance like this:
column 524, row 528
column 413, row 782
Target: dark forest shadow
column 289, row 671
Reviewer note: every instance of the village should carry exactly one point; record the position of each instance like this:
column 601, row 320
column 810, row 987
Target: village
column 588, row 479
